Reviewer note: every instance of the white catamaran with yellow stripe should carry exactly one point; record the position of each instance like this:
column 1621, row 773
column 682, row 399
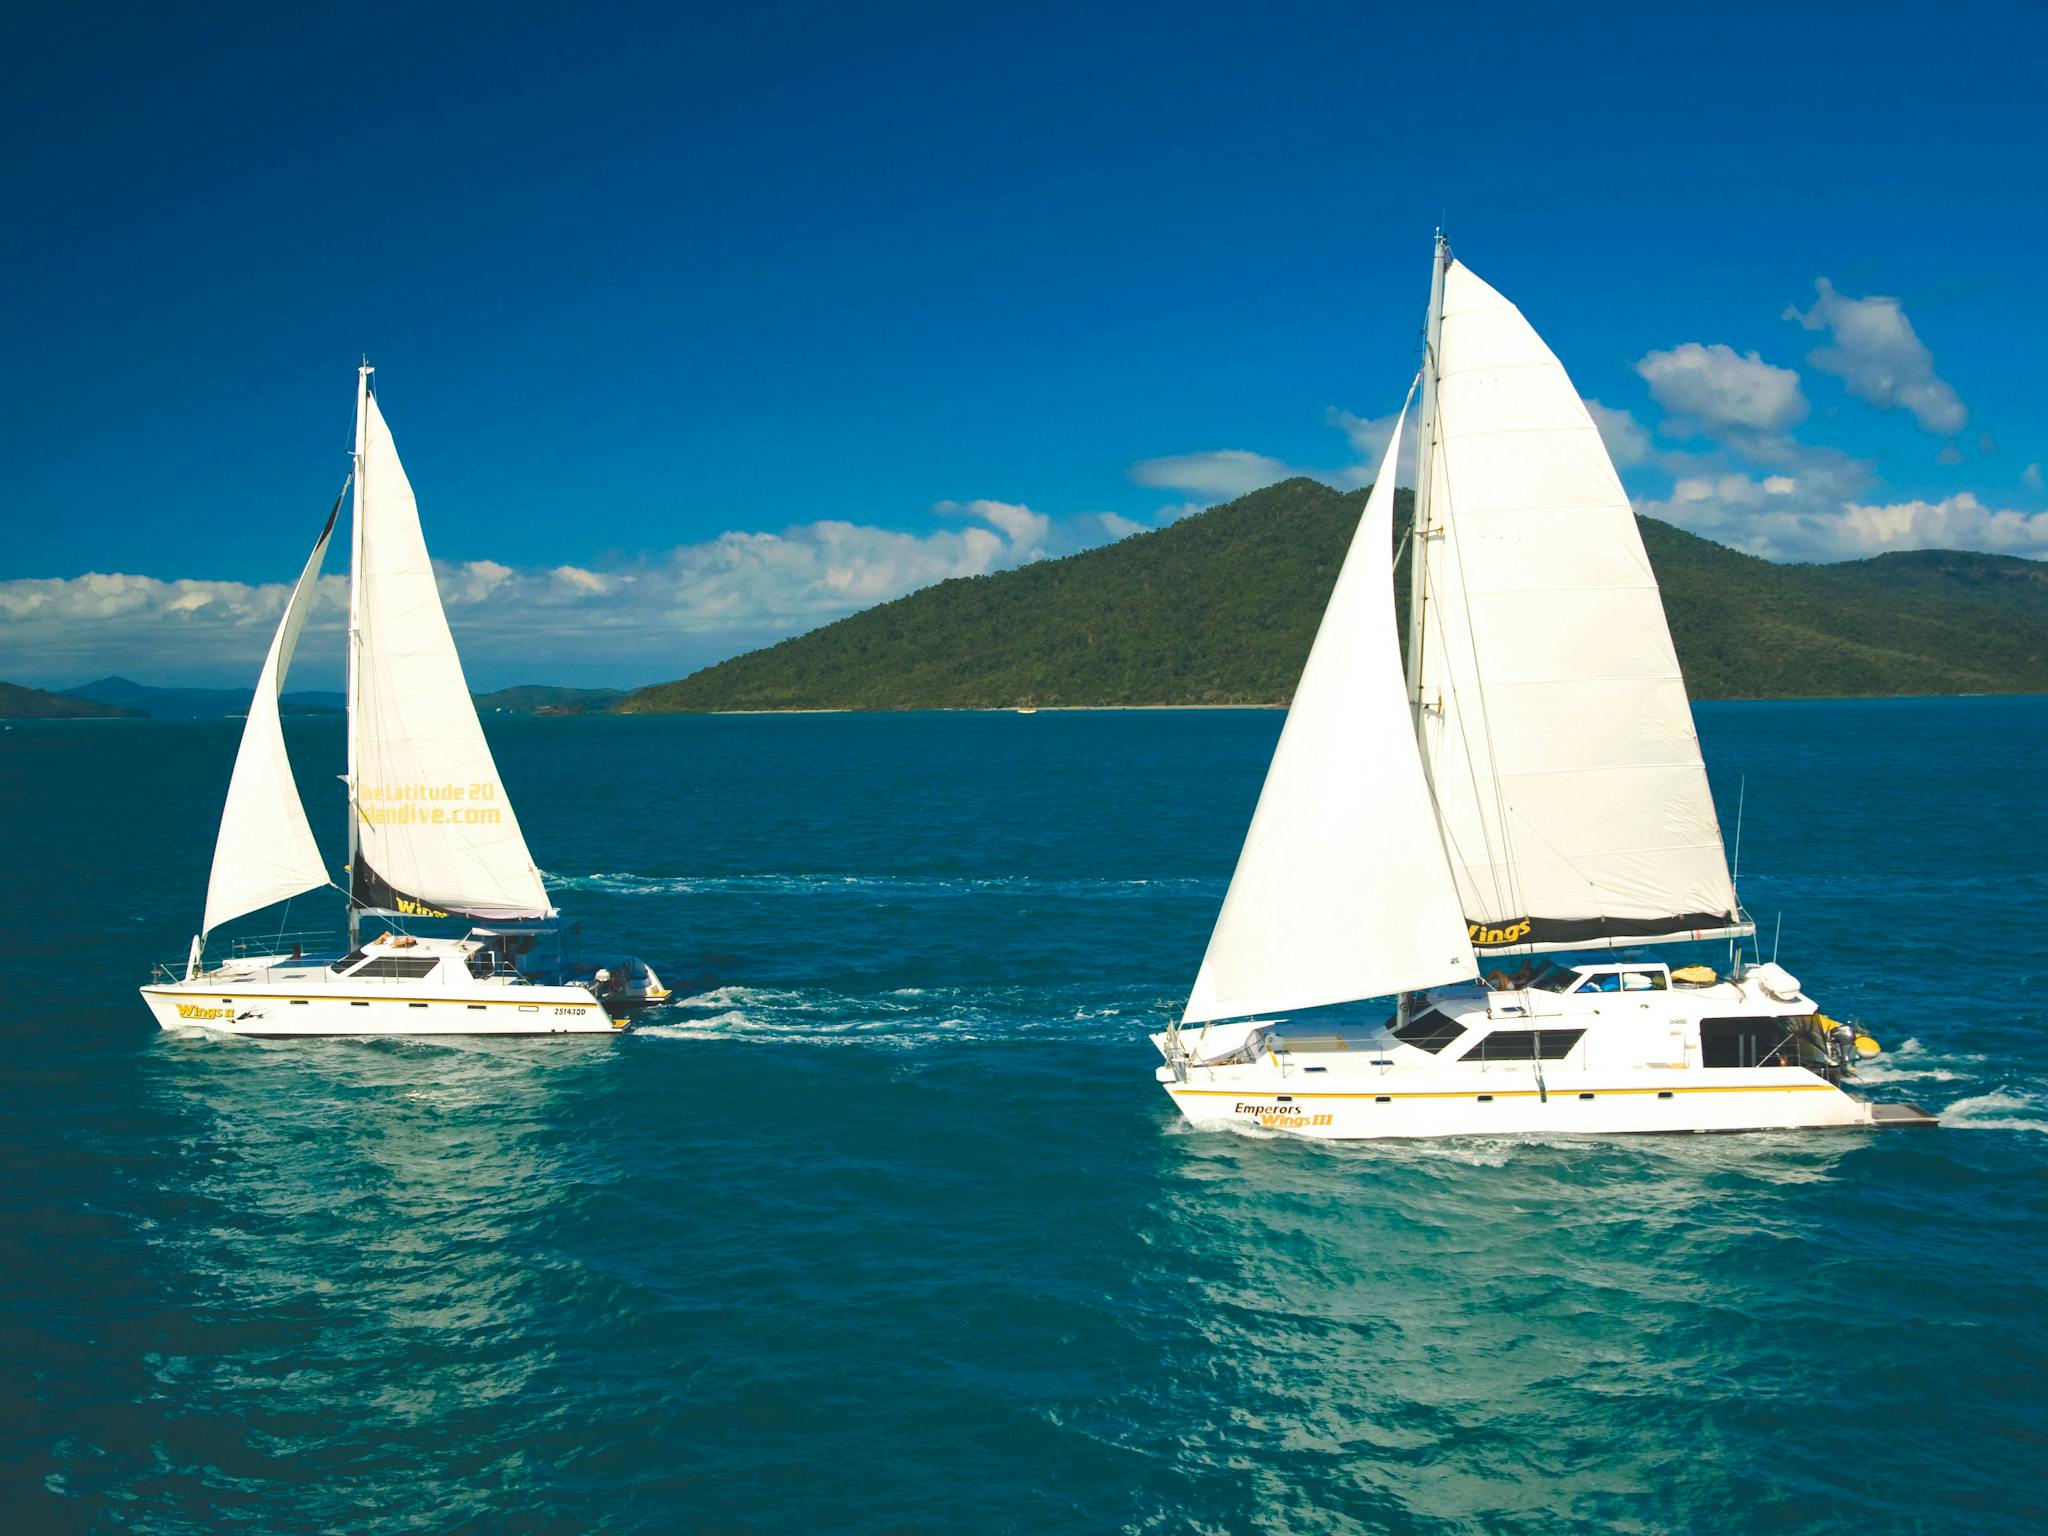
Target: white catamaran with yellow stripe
column 1530, row 786
column 432, row 838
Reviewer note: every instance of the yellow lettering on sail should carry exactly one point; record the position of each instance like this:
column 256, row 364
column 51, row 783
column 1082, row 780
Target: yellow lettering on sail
column 1479, row 933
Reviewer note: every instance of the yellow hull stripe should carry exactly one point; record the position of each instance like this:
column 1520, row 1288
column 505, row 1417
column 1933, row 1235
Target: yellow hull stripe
column 270, row 997
column 1505, row 1093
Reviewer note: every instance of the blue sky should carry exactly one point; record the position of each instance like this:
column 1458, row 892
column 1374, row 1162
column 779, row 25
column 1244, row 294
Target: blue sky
column 698, row 327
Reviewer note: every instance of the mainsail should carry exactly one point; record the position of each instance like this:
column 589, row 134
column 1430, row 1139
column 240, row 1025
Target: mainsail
column 434, row 834
column 1551, row 714
column 265, row 851
column 1341, row 891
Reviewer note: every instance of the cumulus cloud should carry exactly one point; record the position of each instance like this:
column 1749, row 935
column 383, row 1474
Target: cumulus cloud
column 655, row 617
column 1221, row 472
column 1627, row 440
column 1786, row 517
column 1368, row 435
column 2030, row 477
column 1025, row 529
column 1711, row 388
column 1875, row 352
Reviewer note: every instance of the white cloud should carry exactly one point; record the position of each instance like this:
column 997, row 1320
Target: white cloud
column 1710, row 388
column 2030, row 477
column 1221, row 472
column 1628, row 443
column 1368, row 435
column 1956, row 522
column 1117, row 526
column 573, row 578
column 1783, row 517
column 656, row 617
column 1879, row 357
column 1025, row 529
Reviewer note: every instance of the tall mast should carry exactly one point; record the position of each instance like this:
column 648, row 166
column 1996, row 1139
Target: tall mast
column 1423, row 531
column 355, row 569
column 1425, row 458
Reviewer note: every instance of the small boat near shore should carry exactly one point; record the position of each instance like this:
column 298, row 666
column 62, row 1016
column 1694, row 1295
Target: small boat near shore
column 432, row 839
column 1528, row 785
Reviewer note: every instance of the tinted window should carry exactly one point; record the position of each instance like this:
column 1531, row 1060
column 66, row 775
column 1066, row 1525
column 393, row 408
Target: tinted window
column 1746, row 1042
column 1429, row 1030
column 1525, row 1045
column 399, row 967
column 346, row 960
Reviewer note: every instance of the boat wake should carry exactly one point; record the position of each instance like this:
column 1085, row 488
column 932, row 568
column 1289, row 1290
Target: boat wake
column 623, row 883
column 1911, row 1062
column 1999, row 1111
column 905, row 1018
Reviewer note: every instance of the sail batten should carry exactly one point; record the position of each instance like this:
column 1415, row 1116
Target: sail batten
column 1341, row 891
column 1550, row 710
column 434, row 834
column 265, row 850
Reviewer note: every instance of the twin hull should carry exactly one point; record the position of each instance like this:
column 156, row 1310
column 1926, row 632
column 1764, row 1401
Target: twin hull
column 1362, row 1106
column 276, row 1011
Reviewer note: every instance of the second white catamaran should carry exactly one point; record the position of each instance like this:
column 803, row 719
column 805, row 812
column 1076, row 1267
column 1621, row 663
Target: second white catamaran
column 431, row 834
column 1531, row 784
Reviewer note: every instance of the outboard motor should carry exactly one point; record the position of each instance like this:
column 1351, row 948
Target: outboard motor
column 1841, row 1045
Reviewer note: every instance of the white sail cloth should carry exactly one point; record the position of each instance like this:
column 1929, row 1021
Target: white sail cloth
column 435, row 832
column 1554, row 722
column 265, row 851
column 1341, row 891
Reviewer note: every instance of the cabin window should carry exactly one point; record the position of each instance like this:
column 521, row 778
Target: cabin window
column 346, row 960
column 483, row 963
column 1642, row 981
column 1747, row 1043
column 399, row 967
column 1430, row 1030
column 1525, row 1045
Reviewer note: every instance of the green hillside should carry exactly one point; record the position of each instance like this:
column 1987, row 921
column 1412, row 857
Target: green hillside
column 19, row 703
column 1221, row 607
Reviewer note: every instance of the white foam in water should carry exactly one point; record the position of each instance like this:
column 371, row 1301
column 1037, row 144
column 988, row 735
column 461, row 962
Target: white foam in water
column 1911, row 1062
column 1998, row 1112
column 622, row 883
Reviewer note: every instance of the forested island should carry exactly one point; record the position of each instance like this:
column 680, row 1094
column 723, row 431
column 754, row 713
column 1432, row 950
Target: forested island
column 1220, row 608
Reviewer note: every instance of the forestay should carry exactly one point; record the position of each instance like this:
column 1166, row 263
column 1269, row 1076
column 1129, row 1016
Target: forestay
column 265, row 851
column 1341, row 891
column 435, row 834
column 1552, row 716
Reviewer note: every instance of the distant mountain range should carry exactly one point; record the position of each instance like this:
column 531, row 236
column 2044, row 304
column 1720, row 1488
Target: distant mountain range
column 121, row 696
column 19, row 703
column 194, row 703
column 1220, row 608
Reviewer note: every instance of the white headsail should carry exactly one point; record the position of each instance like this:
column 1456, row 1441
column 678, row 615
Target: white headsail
column 434, row 832
column 1551, row 713
column 265, row 851
column 1341, row 891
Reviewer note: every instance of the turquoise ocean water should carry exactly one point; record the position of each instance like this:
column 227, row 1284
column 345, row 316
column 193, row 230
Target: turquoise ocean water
column 885, row 1226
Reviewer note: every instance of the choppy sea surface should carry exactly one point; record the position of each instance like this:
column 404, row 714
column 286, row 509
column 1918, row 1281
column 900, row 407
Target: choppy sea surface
column 884, row 1225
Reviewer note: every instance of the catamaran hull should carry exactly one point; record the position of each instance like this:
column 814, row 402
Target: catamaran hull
column 285, row 1014
column 1561, row 1107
